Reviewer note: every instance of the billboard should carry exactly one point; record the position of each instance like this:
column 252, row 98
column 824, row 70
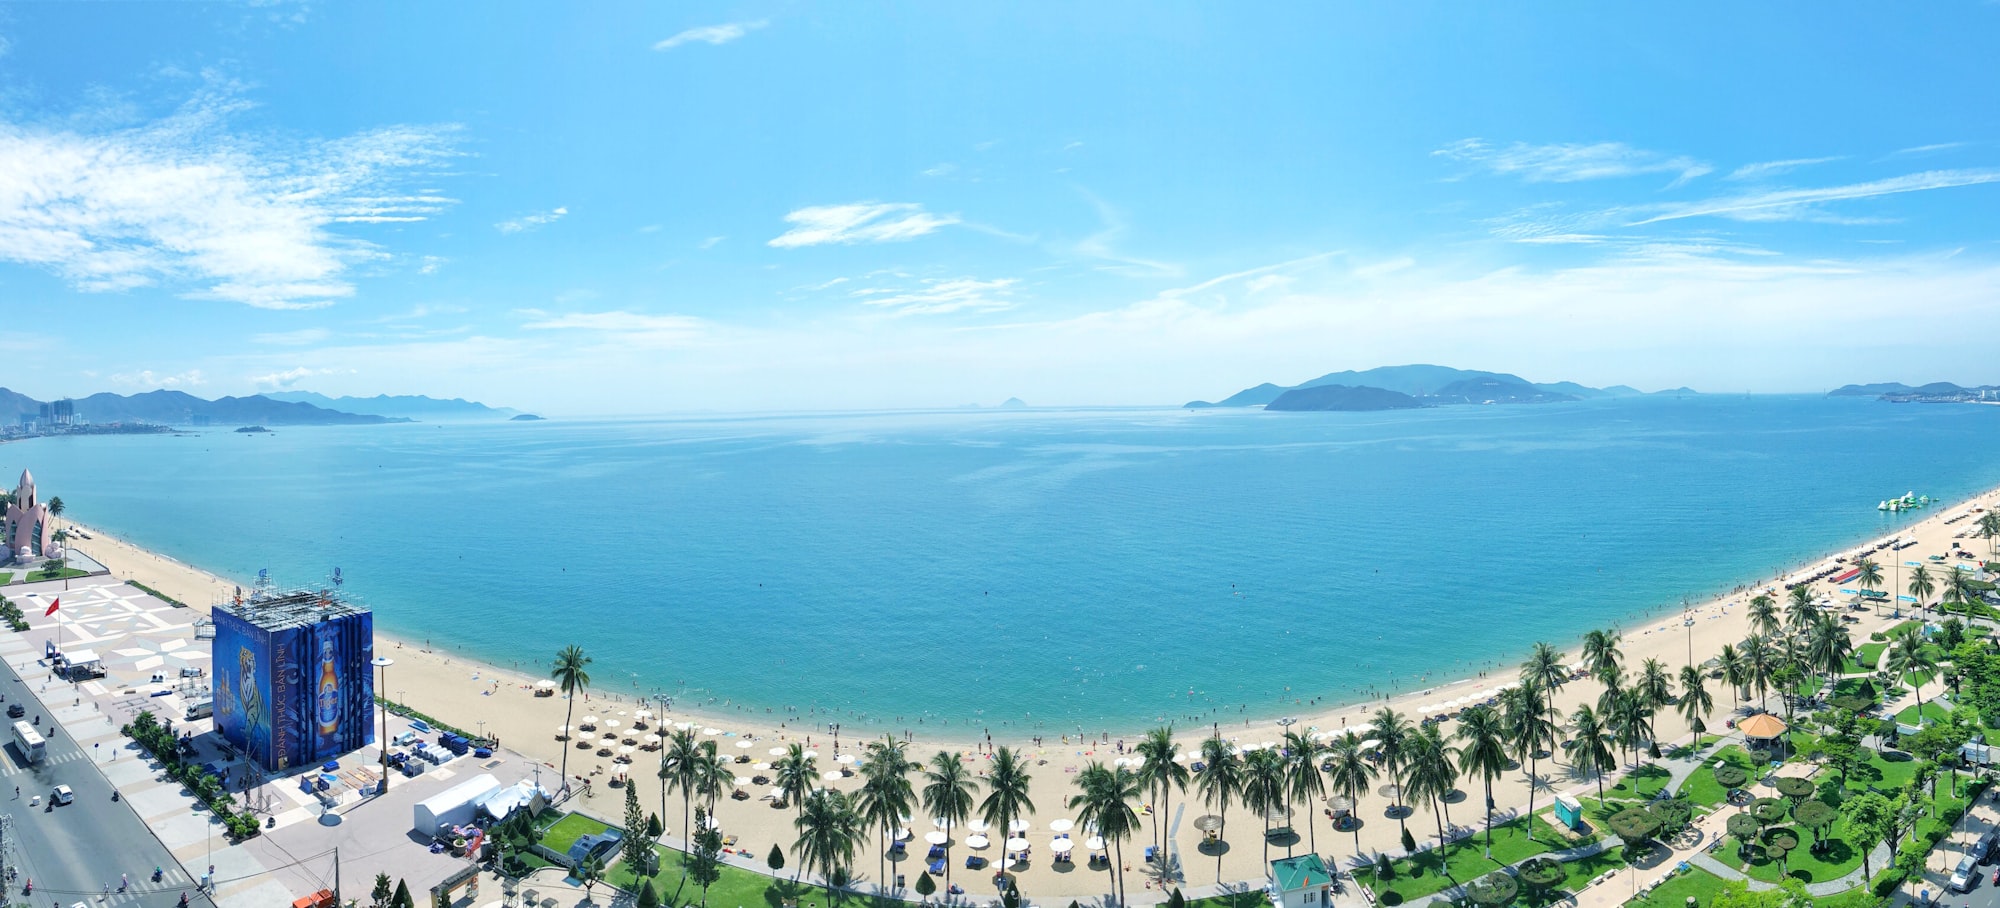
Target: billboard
column 298, row 694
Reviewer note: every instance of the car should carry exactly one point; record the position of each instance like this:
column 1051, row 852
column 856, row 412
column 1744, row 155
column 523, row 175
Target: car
column 16, row 710
column 61, row 795
column 1965, row 875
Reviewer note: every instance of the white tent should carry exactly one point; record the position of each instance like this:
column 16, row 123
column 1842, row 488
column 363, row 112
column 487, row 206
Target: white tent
column 453, row 806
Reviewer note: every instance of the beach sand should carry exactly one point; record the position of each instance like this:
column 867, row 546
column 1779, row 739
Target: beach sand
column 481, row 697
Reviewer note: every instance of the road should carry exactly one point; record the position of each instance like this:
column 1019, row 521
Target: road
column 72, row 852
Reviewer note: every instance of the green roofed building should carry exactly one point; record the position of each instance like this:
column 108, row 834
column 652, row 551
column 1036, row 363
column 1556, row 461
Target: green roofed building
column 1302, row 882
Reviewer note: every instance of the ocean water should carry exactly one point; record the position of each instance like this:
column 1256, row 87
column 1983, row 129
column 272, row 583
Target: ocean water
column 1033, row 571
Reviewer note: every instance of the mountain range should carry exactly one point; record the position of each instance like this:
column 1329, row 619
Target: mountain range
column 1937, row 390
column 412, row 406
column 1427, row 385
column 179, row 408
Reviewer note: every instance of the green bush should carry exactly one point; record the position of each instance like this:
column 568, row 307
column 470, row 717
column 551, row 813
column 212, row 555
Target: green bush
column 1887, row 881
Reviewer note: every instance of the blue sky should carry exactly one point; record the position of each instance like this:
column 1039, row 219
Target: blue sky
column 628, row 208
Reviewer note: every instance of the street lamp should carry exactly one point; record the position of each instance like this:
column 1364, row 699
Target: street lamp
column 382, row 664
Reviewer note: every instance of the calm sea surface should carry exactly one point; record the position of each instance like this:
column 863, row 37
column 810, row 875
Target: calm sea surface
column 1032, row 569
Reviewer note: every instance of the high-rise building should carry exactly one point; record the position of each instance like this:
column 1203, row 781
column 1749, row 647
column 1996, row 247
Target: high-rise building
column 293, row 686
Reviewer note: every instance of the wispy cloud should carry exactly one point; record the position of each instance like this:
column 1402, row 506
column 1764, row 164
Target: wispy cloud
column 147, row 378
column 1774, row 168
column 289, row 377
column 1099, row 245
column 651, row 330
column 431, row 264
column 298, row 338
column 859, row 222
column 711, row 34
column 531, row 221
column 937, row 296
column 1804, row 204
column 183, row 200
column 1569, row 163
column 1931, row 149
column 710, row 242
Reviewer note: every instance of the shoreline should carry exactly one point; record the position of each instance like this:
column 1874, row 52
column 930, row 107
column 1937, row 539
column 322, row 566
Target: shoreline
column 1314, row 711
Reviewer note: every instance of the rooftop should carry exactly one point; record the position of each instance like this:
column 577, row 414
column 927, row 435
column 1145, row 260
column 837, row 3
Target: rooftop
column 1302, row 872
column 291, row 608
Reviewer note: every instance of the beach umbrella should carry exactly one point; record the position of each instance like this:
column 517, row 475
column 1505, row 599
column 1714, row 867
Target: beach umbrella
column 1183, row 758
column 1063, row 825
column 584, row 737
column 1061, row 846
column 643, row 714
column 562, row 729
column 1094, row 843
column 744, row 780
column 844, row 759
column 589, row 719
column 776, row 751
column 1370, row 744
column 652, row 739
column 831, row 775
column 978, row 841
column 902, row 833
column 812, row 753
column 1267, row 745
column 711, row 732
column 612, row 723
column 937, row 837
column 1392, row 792
column 775, row 794
column 761, row 766
column 545, row 684
column 1016, row 845
column 940, row 822
column 1339, row 804
column 1018, row 826
column 977, row 826
column 745, row 744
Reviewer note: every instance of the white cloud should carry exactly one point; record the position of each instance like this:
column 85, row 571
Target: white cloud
column 1773, row 168
column 1099, row 246
column 711, row 34
column 1569, row 163
column 147, row 378
column 941, row 170
column 289, row 377
column 937, row 296
column 652, row 330
column 431, row 264
column 859, row 222
column 1930, row 149
column 183, row 201
column 710, row 242
column 1803, row 204
column 531, row 221
column 298, row 338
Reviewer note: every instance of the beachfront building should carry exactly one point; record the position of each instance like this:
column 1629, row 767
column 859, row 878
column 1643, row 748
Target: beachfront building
column 29, row 525
column 1301, row 882
column 293, row 684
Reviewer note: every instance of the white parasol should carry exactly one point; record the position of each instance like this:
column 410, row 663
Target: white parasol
column 902, row 833
column 1063, row 825
column 589, row 721
column 776, row 751
column 937, row 837
column 1018, row 826
column 977, row 826
column 978, row 841
column 612, row 723
column 1094, row 843
column 545, row 684
column 745, row 744
column 1016, row 844
column 812, row 753
column 831, row 775
column 652, row 739
column 1061, row 846
column 760, row 766
column 711, row 732
column 683, row 726
column 744, row 780
column 643, row 714
column 844, row 759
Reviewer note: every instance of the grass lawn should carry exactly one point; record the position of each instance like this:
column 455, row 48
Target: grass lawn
column 1868, row 656
column 1701, row 787
column 1694, row 883
column 567, row 830
column 1839, row 859
column 1582, row 870
column 1431, row 871
column 755, row 890
column 38, row 575
column 1642, row 783
column 1884, row 772
column 1254, row 898
column 1937, row 712
column 1916, row 680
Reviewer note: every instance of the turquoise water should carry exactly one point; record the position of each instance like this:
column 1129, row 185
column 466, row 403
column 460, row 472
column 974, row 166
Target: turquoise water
column 1032, row 570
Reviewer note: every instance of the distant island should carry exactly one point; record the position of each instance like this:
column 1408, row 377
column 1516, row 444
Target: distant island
column 1935, row 392
column 525, row 417
column 1013, row 403
column 253, row 429
column 1422, row 384
column 408, row 406
column 1342, row 397
column 168, row 408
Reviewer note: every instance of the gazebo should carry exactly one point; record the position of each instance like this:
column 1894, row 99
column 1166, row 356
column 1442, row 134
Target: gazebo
column 1762, row 727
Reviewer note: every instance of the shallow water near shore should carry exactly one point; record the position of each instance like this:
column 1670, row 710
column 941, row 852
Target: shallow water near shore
column 1033, row 571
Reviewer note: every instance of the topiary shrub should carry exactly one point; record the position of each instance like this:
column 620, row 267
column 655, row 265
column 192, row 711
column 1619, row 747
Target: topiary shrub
column 1730, row 775
column 1768, row 810
column 1492, row 890
column 1541, row 872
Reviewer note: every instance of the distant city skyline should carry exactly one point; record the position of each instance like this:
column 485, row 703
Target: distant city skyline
column 630, row 208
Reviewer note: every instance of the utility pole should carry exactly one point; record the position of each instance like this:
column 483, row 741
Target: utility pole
column 336, row 875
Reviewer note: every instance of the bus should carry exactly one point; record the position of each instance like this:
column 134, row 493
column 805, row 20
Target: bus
column 29, row 742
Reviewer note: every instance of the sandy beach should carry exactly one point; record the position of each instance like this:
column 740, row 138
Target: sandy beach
column 501, row 703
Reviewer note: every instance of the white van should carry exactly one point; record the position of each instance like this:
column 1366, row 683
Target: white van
column 1966, row 873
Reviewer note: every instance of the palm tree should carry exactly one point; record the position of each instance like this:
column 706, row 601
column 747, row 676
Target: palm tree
column 1696, row 704
column 1907, row 657
column 1264, row 788
column 713, row 776
column 1529, row 729
column 1161, row 773
column 1544, row 669
column 1869, row 576
column 1600, row 651
column 828, row 829
column 1633, row 722
column 1799, row 611
column 1655, row 686
column 1989, row 529
column 1392, row 734
column 1006, row 793
column 796, row 774
column 1220, row 780
column 1758, row 663
column 947, row 795
column 1351, row 775
column 678, row 768
column 1590, row 746
column 1484, row 754
column 1303, row 781
column 1105, row 803
column 1613, row 680
column 1763, row 614
column 1829, row 647
column 1922, row 587
column 1434, row 776
column 571, row 673
column 1958, row 588
column 885, row 796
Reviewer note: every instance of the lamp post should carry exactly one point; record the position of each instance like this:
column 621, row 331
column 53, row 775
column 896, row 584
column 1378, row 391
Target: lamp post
column 382, row 664
column 1687, row 621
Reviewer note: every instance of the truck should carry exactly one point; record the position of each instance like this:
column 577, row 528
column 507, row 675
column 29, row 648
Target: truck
column 29, row 742
column 201, row 709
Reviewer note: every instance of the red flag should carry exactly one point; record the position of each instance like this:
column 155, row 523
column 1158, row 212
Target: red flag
column 53, row 606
